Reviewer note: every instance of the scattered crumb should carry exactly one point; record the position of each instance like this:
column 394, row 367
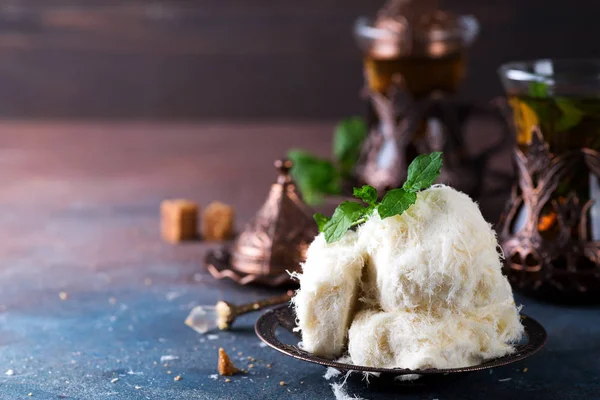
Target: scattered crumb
column 63, row 296
column 251, row 358
column 525, row 369
column 504, row 380
column 137, row 387
column 168, row 357
column 131, row 372
column 227, row 380
column 233, row 349
column 173, row 295
column 282, row 383
column 112, row 300
column 29, row 394
column 9, row 372
column 250, row 366
column 155, row 363
column 212, row 337
column 239, row 353
column 340, row 394
column 268, row 365
column 177, row 378
column 302, row 382
column 330, row 373
column 225, row 366
column 262, row 344
column 214, row 377
column 169, row 372
column 165, row 364
column 147, row 281
column 114, row 380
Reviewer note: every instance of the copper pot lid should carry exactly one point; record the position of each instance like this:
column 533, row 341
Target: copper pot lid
column 273, row 242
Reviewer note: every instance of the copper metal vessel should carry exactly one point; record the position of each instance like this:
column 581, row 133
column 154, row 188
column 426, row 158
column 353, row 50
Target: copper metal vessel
column 274, row 241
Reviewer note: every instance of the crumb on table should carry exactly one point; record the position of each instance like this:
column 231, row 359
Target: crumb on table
column 225, row 366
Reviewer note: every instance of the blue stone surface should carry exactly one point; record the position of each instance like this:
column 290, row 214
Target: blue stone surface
column 74, row 348
column 79, row 214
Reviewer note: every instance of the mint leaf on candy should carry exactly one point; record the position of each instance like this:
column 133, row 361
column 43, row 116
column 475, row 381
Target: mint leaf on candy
column 345, row 216
column 321, row 220
column 395, row 202
column 367, row 193
column 422, row 173
column 347, row 140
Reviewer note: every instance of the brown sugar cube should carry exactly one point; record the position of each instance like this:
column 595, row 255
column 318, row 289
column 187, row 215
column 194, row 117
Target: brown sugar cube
column 217, row 221
column 225, row 366
column 179, row 220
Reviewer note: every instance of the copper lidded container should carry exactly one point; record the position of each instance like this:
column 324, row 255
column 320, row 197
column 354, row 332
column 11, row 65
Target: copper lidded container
column 273, row 243
column 550, row 231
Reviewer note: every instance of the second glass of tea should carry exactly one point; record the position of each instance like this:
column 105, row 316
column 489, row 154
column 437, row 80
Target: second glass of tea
column 552, row 232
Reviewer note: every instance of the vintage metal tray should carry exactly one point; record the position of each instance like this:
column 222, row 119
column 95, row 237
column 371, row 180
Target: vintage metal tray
column 284, row 316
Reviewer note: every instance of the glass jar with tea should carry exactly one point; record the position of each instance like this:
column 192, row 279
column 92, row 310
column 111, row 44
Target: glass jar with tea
column 413, row 55
column 551, row 230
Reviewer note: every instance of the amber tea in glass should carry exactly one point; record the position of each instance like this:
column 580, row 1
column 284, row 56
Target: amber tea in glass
column 421, row 75
column 551, row 232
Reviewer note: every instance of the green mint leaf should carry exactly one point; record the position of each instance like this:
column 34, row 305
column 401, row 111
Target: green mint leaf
column 538, row 89
column 367, row 193
column 315, row 177
column 321, row 220
column 344, row 217
column 570, row 116
column 423, row 171
column 395, row 202
column 347, row 140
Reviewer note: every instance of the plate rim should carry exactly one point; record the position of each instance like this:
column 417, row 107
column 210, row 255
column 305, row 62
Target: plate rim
column 268, row 322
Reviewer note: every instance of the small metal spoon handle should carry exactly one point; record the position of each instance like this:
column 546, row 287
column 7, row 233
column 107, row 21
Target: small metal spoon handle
column 268, row 302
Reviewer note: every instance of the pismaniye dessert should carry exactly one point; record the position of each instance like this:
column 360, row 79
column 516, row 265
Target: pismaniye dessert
column 413, row 281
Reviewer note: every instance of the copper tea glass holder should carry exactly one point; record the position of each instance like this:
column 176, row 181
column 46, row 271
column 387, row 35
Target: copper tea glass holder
column 550, row 229
column 414, row 59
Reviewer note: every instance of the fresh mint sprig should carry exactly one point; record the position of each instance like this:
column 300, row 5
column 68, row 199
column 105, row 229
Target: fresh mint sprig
column 422, row 173
column 317, row 177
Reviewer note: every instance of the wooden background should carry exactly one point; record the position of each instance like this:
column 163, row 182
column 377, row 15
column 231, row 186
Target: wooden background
column 238, row 59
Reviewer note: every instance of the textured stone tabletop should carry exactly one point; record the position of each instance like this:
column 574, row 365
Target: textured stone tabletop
column 79, row 215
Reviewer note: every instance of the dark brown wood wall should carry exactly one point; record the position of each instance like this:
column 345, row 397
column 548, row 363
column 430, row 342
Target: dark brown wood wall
column 238, row 59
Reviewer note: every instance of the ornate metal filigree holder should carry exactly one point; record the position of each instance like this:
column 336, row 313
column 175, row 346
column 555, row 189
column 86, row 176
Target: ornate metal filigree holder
column 401, row 128
column 547, row 242
column 274, row 241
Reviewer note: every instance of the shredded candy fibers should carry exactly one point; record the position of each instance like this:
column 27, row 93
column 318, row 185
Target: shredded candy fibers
column 330, row 285
column 420, row 290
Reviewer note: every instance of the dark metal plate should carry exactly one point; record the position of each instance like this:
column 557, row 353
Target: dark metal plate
column 284, row 316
